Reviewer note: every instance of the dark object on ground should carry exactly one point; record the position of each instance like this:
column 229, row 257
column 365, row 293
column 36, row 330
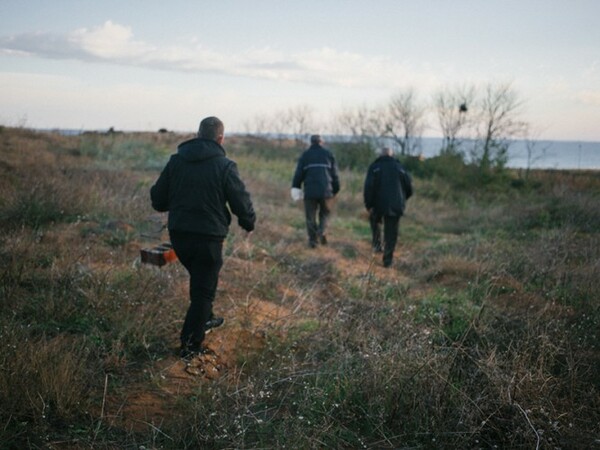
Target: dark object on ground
column 159, row 255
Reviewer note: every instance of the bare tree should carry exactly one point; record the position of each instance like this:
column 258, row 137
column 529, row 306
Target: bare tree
column 452, row 106
column 279, row 125
column 364, row 131
column 301, row 122
column 535, row 149
column 361, row 124
column 296, row 122
column 258, row 125
column 403, row 121
column 499, row 109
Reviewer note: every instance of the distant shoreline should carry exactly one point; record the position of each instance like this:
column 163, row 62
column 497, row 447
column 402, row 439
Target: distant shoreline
column 545, row 154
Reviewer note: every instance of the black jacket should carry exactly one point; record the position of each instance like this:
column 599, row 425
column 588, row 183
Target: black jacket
column 196, row 186
column 387, row 187
column 318, row 171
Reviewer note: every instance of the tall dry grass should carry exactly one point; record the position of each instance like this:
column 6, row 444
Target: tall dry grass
column 485, row 336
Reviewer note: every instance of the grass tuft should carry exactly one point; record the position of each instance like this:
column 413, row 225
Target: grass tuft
column 483, row 334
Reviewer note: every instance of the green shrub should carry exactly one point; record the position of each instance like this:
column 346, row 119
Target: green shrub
column 45, row 383
column 126, row 152
column 351, row 155
column 484, row 333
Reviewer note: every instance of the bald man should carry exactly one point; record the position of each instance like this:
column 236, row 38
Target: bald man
column 387, row 188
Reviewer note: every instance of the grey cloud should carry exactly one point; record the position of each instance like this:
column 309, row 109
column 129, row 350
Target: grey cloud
column 45, row 45
column 276, row 65
column 54, row 46
column 113, row 43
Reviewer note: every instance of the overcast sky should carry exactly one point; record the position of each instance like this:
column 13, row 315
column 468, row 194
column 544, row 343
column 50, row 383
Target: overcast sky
column 144, row 65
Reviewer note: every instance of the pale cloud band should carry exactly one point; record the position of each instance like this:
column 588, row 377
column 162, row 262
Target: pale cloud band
column 115, row 44
column 560, row 98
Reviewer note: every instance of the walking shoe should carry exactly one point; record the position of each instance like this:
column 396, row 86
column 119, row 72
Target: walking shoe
column 213, row 322
column 323, row 239
column 312, row 244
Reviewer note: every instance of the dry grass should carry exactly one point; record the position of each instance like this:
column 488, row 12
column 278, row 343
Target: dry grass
column 483, row 335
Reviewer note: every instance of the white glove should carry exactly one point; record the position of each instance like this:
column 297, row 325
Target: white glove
column 297, row 194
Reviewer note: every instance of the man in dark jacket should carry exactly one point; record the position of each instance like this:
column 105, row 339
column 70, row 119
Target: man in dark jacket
column 197, row 185
column 317, row 170
column 387, row 187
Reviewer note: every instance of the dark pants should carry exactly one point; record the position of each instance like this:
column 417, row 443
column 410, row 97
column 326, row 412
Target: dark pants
column 390, row 235
column 317, row 229
column 202, row 257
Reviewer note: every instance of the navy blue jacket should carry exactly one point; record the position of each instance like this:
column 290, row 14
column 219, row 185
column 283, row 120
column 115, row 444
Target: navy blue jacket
column 317, row 170
column 387, row 187
column 197, row 185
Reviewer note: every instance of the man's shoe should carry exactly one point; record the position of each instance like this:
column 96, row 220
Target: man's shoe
column 214, row 322
column 312, row 244
column 323, row 240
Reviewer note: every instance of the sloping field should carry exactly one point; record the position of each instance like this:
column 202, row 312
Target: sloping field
column 483, row 334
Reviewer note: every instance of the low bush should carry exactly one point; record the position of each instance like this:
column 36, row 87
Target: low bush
column 354, row 156
column 482, row 335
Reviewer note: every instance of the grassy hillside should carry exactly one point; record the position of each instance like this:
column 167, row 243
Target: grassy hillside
column 483, row 334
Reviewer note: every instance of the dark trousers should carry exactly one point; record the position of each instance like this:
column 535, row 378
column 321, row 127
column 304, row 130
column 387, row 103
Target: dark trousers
column 390, row 235
column 202, row 257
column 312, row 206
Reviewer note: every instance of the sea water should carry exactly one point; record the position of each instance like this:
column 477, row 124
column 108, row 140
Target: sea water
column 584, row 155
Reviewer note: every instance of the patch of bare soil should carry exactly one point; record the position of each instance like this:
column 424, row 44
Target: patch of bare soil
column 248, row 319
column 242, row 333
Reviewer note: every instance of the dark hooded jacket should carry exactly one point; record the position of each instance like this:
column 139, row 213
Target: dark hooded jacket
column 198, row 186
column 318, row 171
column 387, row 187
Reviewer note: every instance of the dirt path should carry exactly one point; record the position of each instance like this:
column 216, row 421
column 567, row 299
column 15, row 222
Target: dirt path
column 248, row 319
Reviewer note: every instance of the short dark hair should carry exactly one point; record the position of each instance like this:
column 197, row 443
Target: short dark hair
column 316, row 139
column 211, row 128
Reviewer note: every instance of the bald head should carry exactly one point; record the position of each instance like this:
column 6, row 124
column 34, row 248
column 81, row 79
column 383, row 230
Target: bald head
column 386, row 151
